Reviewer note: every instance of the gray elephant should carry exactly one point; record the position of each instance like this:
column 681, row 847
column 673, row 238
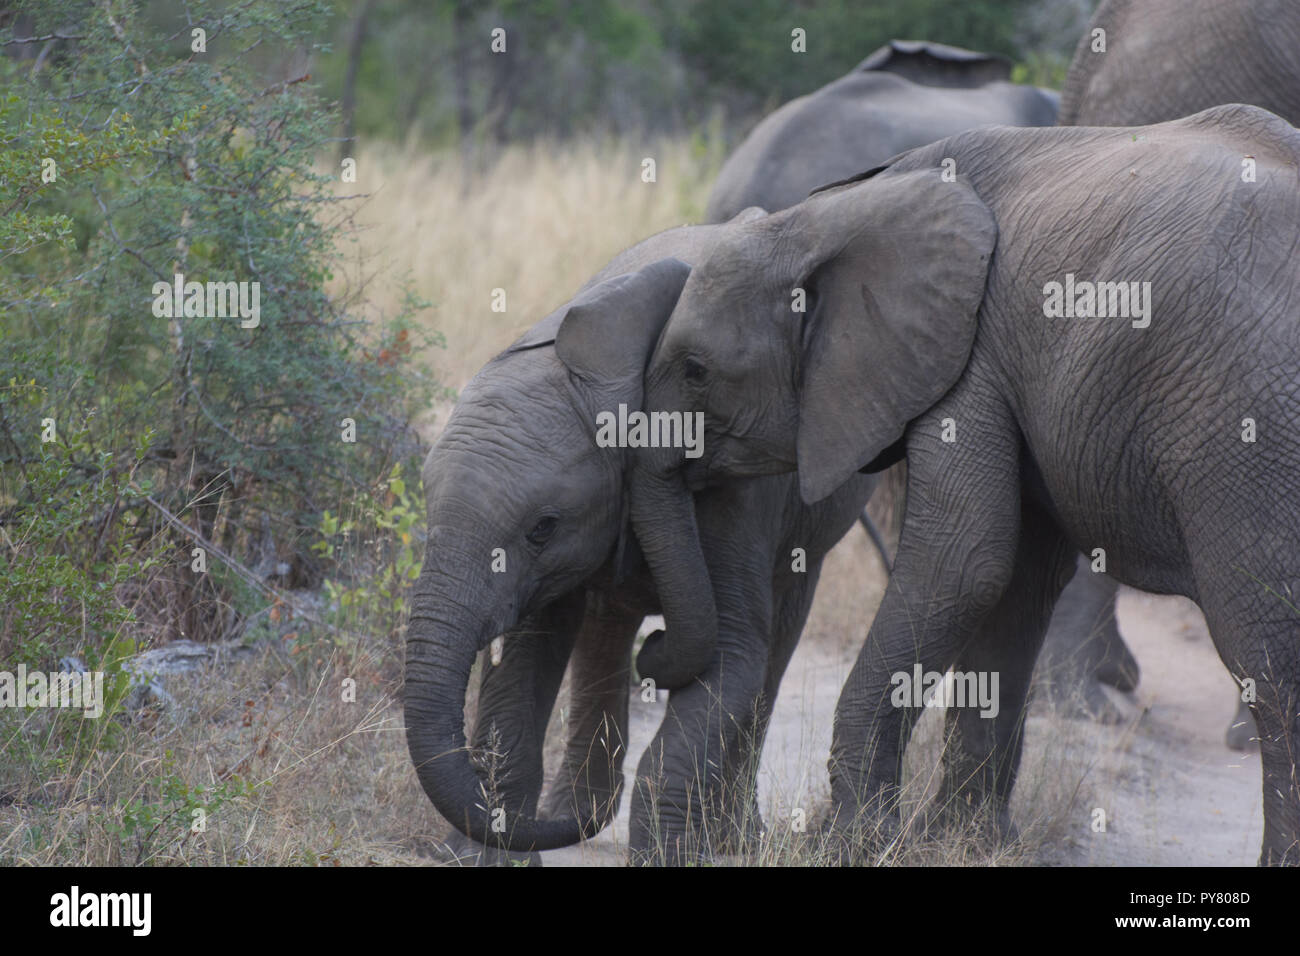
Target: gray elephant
column 529, row 538
column 1161, row 60
column 1153, row 417
column 904, row 95
column 1158, row 60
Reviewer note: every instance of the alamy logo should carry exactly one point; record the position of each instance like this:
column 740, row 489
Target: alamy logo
column 953, row 689
column 1098, row 300
column 78, row 689
column 103, row 909
column 210, row 300
column 639, row 429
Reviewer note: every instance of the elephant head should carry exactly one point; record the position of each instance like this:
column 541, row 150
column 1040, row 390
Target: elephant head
column 937, row 64
column 523, row 508
column 811, row 338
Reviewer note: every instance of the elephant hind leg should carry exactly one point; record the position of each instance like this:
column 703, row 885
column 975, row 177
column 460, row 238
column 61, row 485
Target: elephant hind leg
column 985, row 725
column 1258, row 638
column 1084, row 649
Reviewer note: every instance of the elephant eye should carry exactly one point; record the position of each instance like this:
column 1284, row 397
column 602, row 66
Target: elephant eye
column 693, row 370
column 543, row 530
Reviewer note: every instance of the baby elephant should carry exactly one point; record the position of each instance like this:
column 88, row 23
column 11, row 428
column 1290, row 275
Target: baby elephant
column 529, row 538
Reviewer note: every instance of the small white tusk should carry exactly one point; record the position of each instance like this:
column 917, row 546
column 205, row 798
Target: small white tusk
column 496, row 648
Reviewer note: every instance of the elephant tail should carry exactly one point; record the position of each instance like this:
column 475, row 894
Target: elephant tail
column 877, row 539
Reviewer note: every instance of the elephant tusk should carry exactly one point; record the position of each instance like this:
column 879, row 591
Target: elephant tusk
column 497, row 648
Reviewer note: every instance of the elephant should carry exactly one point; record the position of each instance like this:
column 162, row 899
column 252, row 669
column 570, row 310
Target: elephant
column 908, row 94
column 905, row 94
column 529, row 539
column 1161, row 60
column 1153, row 419
column 1158, row 60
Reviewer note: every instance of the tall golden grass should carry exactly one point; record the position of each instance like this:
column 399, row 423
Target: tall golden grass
column 537, row 223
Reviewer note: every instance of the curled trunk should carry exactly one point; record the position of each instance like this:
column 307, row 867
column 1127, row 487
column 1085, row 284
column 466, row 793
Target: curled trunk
column 663, row 516
column 440, row 653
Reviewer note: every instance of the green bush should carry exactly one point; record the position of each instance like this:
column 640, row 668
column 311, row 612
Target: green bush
column 191, row 429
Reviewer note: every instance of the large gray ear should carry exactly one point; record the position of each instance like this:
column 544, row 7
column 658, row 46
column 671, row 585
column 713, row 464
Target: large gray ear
column 937, row 64
column 607, row 332
column 896, row 269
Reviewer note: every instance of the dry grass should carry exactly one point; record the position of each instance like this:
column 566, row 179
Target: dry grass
column 538, row 223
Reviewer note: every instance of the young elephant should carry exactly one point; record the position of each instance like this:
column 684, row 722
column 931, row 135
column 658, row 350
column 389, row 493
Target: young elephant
column 528, row 538
column 902, row 96
column 1086, row 339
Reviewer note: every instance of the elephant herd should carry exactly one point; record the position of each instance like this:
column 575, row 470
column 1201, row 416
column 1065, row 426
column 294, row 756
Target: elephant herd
column 1082, row 341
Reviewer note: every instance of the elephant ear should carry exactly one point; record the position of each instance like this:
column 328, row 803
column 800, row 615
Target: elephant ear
column 606, row 334
column 937, row 64
column 897, row 267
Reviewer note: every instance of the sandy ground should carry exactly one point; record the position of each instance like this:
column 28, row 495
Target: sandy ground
column 1172, row 792
column 1175, row 795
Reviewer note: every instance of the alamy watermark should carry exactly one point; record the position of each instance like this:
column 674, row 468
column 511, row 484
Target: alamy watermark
column 1074, row 299
column 75, row 908
column 638, row 429
column 210, row 300
column 72, row 689
column 954, row 689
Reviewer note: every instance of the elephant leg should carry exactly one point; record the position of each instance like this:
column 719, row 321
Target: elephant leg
column 590, row 779
column 1084, row 648
column 1257, row 643
column 955, row 558
column 983, row 742
column 1277, row 716
column 740, row 825
column 514, row 704
column 680, row 775
column 1242, row 734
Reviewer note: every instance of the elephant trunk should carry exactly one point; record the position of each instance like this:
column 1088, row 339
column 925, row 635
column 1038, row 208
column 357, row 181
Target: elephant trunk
column 663, row 516
column 440, row 653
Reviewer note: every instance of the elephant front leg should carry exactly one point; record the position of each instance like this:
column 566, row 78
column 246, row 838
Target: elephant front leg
column 955, row 558
column 515, row 699
column 590, row 780
column 739, row 825
column 679, row 787
column 991, row 679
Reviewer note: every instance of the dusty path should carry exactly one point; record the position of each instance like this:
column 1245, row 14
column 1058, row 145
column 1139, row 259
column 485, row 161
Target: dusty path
column 1172, row 792
column 1175, row 794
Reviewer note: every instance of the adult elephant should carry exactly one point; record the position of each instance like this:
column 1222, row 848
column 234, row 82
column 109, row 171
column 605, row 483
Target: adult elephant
column 529, row 538
column 936, row 328
column 904, row 95
column 1157, row 60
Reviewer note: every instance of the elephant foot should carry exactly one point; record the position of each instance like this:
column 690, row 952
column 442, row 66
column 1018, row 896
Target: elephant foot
column 1086, row 701
column 731, row 838
column 863, row 840
column 462, row 851
column 1119, row 668
column 964, row 816
column 670, row 848
column 1242, row 734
